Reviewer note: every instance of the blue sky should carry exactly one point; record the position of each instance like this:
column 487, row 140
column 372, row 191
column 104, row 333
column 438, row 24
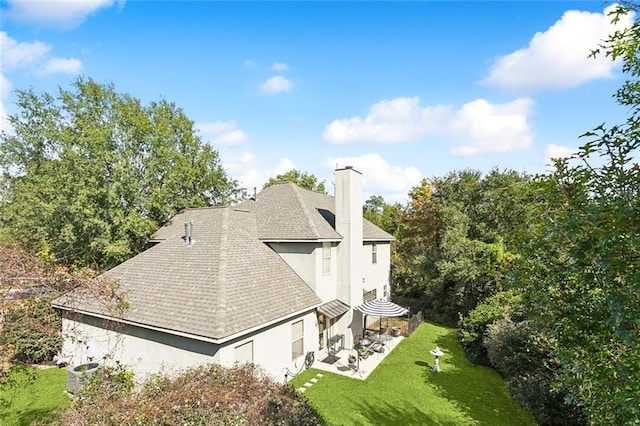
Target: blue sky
column 399, row 90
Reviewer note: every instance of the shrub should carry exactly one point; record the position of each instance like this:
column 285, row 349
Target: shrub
column 204, row 395
column 32, row 330
column 524, row 358
column 472, row 328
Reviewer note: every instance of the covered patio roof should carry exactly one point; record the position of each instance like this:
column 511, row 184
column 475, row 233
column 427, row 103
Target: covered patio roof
column 333, row 309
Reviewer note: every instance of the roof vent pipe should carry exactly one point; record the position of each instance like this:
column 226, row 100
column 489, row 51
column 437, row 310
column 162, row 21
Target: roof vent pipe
column 188, row 233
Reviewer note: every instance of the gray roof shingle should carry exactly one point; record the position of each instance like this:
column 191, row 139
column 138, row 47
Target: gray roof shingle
column 287, row 212
column 225, row 283
column 229, row 281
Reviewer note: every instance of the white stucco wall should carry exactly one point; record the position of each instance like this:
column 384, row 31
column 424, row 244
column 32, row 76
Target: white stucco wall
column 300, row 257
column 376, row 275
column 141, row 350
column 147, row 351
column 305, row 258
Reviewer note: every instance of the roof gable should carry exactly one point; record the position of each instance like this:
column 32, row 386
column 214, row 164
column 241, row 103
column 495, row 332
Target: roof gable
column 287, row 212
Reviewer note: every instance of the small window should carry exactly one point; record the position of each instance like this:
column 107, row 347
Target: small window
column 297, row 339
column 326, row 258
column 244, row 352
column 374, row 253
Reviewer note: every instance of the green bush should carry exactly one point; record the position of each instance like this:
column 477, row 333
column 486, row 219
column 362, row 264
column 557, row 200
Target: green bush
column 472, row 328
column 525, row 360
column 32, row 330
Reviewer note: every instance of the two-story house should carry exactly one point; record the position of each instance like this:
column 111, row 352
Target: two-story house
column 266, row 281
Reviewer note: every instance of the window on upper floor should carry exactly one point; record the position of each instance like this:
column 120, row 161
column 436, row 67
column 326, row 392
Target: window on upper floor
column 297, row 339
column 326, row 258
column 374, row 253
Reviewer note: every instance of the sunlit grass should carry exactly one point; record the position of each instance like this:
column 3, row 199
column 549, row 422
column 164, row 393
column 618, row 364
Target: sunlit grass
column 30, row 394
column 403, row 390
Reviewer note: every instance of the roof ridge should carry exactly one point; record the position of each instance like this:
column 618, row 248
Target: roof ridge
column 306, row 212
column 221, row 299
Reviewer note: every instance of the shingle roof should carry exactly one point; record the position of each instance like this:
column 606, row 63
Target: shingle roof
column 287, row 212
column 227, row 282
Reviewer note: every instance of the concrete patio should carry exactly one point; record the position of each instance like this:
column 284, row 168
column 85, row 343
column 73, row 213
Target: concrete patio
column 357, row 371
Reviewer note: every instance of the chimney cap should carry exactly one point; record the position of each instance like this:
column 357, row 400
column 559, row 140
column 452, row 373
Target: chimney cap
column 347, row 168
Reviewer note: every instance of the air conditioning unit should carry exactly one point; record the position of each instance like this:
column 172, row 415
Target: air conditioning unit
column 78, row 376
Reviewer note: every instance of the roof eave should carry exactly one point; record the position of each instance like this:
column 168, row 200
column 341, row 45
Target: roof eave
column 201, row 338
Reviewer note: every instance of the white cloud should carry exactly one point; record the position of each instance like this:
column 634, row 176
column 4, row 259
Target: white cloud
column 4, row 121
column 279, row 66
column 284, row 165
column 389, row 121
column 33, row 55
column 250, row 63
column 558, row 57
column 21, row 54
column 64, row 14
column 60, row 65
column 30, row 56
column 222, row 132
column 380, row 178
column 557, row 151
column 480, row 127
column 5, row 87
column 275, row 85
column 246, row 169
column 476, row 128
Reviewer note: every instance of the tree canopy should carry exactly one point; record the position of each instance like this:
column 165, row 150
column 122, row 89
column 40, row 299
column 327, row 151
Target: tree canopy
column 302, row 179
column 382, row 214
column 452, row 240
column 89, row 174
column 580, row 269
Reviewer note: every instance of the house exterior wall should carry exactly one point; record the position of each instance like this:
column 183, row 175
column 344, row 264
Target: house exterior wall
column 377, row 275
column 141, row 350
column 327, row 286
column 300, row 257
column 146, row 351
column 305, row 258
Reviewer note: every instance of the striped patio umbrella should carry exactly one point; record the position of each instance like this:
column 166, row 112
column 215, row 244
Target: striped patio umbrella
column 381, row 308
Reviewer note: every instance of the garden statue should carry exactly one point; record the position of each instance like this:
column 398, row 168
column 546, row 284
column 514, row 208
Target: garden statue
column 436, row 363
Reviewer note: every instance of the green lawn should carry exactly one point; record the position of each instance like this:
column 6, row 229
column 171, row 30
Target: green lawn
column 23, row 400
column 404, row 391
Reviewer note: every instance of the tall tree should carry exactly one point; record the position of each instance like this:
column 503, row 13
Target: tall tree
column 382, row 214
column 302, row 179
column 89, row 174
column 452, row 242
column 581, row 268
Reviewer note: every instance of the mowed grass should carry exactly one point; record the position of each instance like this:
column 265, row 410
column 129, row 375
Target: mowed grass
column 31, row 394
column 404, row 391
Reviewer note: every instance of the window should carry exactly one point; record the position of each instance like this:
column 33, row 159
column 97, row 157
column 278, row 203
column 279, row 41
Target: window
column 326, row 258
column 374, row 253
column 297, row 339
column 244, row 352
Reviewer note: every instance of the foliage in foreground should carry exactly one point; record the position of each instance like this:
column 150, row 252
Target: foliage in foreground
column 203, row 395
column 30, row 329
column 580, row 268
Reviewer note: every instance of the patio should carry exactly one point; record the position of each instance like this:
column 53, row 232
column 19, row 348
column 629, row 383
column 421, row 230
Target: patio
column 358, row 371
